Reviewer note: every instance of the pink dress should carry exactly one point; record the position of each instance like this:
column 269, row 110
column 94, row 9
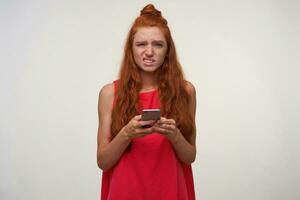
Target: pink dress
column 149, row 169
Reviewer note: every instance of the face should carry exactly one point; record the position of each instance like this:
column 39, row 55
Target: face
column 149, row 48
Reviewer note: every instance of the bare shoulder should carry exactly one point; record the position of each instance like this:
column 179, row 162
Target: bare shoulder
column 106, row 96
column 190, row 88
column 107, row 90
column 105, row 105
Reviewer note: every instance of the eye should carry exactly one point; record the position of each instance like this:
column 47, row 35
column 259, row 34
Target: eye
column 140, row 44
column 158, row 44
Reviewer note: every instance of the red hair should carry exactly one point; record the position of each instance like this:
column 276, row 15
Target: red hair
column 174, row 98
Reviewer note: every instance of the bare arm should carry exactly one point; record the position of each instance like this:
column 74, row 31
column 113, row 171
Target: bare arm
column 185, row 149
column 110, row 151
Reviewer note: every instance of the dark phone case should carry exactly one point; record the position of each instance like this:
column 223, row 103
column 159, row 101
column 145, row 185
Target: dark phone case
column 151, row 115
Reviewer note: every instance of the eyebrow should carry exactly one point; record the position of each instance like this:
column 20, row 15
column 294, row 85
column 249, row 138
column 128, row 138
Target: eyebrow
column 154, row 41
column 158, row 41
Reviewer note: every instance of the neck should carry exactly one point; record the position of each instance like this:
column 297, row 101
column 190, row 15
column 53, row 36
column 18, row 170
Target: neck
column 149, row 81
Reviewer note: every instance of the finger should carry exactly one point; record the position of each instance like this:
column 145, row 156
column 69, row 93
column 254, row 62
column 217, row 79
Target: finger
column 165, row 129
column 148, row 130
column 148, row 122
column 172, row 121
column 162, row 119
column 161, row 130
column 166, row 126
column 137, row 117
column 167, row 121
column 144, row 130
column 135, row 124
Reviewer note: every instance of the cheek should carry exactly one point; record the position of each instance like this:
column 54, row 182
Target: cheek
column 162, row 55
column 161, row 60
column 135, row 55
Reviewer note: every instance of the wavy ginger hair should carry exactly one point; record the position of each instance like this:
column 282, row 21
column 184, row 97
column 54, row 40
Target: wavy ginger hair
column 174, row 98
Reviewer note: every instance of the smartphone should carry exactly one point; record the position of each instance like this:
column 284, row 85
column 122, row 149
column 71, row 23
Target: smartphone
column 150, row 114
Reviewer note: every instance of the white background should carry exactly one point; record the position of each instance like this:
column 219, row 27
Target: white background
column 242, row 57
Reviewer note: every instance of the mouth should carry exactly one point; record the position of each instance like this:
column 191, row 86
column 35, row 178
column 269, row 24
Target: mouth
column 148, row 60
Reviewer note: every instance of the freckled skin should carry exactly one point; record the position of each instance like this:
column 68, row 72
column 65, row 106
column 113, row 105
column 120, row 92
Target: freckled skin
column 149, row 48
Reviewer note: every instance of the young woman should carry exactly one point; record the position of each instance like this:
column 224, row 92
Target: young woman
column 151, row 159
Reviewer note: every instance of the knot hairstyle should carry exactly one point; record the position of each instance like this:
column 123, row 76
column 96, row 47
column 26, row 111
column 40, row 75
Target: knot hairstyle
column 150, row 10
column 174, row 98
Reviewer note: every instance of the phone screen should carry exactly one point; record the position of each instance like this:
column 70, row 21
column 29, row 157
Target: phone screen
column 151, row 114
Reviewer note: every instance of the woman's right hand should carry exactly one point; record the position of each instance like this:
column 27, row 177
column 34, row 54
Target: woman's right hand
column 135, row 127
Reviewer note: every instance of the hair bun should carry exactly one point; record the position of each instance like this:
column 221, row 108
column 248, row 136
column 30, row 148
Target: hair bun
column 150, row 10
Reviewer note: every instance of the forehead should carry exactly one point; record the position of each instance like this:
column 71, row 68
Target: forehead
column 149, row 33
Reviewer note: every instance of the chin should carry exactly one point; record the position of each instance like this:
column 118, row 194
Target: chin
column 149, row 69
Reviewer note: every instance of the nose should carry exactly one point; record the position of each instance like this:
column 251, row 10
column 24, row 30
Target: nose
column 149, row 51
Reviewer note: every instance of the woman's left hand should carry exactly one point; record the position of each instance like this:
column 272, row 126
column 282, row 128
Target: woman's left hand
column 167, row 127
